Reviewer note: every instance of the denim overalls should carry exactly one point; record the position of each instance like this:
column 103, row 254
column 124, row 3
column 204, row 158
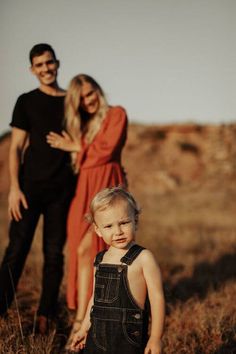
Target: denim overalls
column 118, row 324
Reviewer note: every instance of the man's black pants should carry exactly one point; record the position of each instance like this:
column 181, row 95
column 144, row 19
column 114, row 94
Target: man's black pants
column 52, row 203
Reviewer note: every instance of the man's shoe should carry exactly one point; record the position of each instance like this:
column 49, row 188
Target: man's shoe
column 43, row 324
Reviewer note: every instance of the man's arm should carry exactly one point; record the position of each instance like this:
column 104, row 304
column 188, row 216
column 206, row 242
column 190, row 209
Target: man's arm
column 16, row 196
column 153, row 280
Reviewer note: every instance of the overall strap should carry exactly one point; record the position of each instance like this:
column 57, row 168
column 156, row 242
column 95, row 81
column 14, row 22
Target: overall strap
column 99, row 258
column 132, row 253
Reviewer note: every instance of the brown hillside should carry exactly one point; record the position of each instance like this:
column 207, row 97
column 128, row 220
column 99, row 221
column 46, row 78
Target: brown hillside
column 168, row 157
column 165, row 158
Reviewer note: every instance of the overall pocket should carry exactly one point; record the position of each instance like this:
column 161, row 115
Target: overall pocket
column 107, row 288
column 133, row 333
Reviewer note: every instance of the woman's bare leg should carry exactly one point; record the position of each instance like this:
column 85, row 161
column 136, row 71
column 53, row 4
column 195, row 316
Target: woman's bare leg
column 85, row 270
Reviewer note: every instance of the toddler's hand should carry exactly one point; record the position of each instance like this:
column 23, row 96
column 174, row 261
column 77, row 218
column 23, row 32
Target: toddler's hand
column 154, row 346
column 78, row 342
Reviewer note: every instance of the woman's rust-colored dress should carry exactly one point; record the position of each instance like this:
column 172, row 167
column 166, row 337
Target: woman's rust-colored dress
column 100, row 167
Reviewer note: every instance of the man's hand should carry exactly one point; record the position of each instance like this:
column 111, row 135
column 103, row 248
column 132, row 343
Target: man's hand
column 62, row 142
column 15, row 199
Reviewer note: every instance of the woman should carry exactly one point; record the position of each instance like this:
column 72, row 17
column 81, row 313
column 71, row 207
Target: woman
column 95, row 135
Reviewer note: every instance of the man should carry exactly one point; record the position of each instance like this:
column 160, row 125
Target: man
column 41, row 182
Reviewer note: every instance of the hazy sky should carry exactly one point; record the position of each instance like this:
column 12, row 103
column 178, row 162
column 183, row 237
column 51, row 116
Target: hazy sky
column 163, row 60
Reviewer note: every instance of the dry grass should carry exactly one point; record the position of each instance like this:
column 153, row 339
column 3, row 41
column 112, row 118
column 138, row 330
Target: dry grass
column 190, row 227
column 193, row 235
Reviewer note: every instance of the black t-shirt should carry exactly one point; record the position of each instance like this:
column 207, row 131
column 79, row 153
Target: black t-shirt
column 38, row 114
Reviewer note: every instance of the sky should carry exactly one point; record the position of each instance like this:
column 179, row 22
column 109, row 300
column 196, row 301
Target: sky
column 164, row 61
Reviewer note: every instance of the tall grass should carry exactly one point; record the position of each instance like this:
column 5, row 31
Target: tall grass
column 193, row 235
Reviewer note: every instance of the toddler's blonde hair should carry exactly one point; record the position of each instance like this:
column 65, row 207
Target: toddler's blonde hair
column 108, row 197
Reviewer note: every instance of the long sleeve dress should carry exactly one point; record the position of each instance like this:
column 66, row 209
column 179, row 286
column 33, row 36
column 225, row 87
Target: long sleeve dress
column 100, row 167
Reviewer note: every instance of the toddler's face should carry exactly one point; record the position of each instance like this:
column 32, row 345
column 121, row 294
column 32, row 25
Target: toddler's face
column 116, row 224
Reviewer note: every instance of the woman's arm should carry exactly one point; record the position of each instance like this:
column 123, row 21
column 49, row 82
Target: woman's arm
column 111, row 139
column 63, row 142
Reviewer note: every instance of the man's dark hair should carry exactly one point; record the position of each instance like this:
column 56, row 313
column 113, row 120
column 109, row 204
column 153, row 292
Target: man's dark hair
column 39, row 49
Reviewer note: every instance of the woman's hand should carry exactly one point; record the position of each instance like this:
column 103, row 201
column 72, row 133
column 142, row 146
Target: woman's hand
column 62, row 142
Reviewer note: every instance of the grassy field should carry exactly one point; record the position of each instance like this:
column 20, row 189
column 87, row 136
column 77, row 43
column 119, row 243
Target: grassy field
column 193, row 235
column 188, row 220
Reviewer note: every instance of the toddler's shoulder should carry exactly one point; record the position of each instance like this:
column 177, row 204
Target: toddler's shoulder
column 146, row 254
column 146, row 258
column 99, row 258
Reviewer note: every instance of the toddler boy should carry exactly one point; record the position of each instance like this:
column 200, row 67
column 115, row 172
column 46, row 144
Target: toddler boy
column 127, row 281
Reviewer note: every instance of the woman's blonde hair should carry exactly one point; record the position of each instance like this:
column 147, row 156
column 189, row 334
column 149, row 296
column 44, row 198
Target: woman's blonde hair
column 108, row 197
column 77, row 123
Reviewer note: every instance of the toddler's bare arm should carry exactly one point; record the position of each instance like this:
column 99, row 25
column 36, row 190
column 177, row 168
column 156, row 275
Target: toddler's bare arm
column 79, row 339
column 152, row 276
